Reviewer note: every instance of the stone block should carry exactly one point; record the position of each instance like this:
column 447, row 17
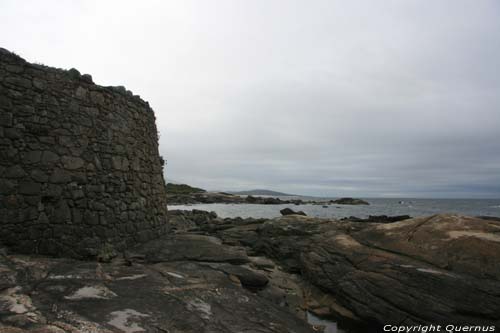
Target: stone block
column 49, row 157
column 15, row 171
column 72, row 163
column 29, row 188
column 62, row 213
column 91, row 218
column 38, row 83
column 18, row 82
column 31, row 157
column 13, row 133
column 39, row 176
column 59, row 176
column 81, row 93
column 5, row 119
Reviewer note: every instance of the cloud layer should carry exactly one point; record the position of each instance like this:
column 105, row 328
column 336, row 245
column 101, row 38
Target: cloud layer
column 361, row 98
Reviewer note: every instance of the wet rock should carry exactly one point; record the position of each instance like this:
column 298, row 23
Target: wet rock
column 378, row 218
column 289, row 211
column 349, row 201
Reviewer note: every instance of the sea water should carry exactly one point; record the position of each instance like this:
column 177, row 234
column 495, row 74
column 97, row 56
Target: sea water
column 398, row 206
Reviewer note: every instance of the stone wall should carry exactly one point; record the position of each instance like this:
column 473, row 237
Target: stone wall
column 79, row 165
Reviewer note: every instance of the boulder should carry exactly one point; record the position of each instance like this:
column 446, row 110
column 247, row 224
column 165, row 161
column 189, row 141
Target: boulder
column 289, row 211
column 378, row 218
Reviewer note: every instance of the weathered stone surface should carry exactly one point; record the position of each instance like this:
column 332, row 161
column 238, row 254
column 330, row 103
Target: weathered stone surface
column 68, row 296
column 38, row 83
column 72, row 163
column 15, row 171
column 31, row 156
column 13, row 133
column 192, row 247
column 49, row 157
column 39, row 176
column 7, row 186
column 60, row 176
column 434, row 270
column 289, row 211
column 19, row 82
column 81, row 93
column 247, row 277
column 30, row 188
column 452, row 242
column 58, row 133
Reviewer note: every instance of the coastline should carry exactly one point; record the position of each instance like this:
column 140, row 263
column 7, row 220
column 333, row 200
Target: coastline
column 360, row 274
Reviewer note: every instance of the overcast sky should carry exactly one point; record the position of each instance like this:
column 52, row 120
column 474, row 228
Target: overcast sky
column 340, row 98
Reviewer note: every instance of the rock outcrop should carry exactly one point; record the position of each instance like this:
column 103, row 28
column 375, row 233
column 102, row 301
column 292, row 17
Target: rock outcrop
column 79, row 163
column 289, row 211
column 230, row 275
column 442, row 269
column 134, row 295
column 349, row 201
column 222, row 197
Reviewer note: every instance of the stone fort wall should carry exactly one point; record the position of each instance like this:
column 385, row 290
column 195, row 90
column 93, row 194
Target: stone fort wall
column 79, row 163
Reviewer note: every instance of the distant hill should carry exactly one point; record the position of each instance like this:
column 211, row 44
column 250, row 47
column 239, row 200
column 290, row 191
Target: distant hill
column 263, row 192
column 182, row 189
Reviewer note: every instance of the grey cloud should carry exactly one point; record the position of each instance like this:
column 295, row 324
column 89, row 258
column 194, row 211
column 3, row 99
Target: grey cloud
column 364, row 98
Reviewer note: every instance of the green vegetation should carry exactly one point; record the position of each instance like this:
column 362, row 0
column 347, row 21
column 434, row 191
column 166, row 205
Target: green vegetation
column 182, row 189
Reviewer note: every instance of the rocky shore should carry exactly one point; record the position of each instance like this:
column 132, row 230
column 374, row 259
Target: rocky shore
column 182, row 194
column 265, row 275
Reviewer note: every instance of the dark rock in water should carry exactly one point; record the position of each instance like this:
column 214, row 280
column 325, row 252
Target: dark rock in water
column 289, row 211
column 489, row 218
column 251, row 199
column 349, row 201
column 378, row 218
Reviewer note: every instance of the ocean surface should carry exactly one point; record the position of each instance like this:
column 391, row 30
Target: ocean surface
column 412, row 207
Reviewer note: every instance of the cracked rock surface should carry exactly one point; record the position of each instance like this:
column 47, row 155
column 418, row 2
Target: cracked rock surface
column 256, row 275
column 64, row 295
column 442, row 269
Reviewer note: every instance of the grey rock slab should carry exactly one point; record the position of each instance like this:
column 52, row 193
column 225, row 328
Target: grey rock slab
column 75, row 296
column 192, row 247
